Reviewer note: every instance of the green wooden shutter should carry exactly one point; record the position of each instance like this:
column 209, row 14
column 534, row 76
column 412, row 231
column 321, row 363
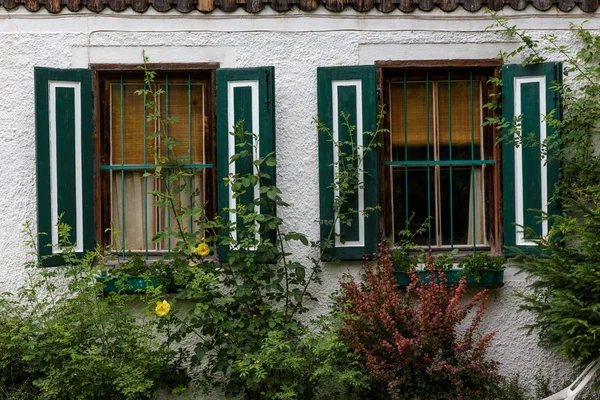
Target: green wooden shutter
column 352, row 91
column 63, row 120
column 243, row 94
column 528, row 96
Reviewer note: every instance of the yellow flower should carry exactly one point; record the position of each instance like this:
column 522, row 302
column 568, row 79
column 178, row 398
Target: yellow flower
column 202, row 249
column 192, row 264
column 162, row 308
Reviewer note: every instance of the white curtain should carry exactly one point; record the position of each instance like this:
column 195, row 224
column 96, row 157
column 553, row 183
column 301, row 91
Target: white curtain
column 132, row 207
column 476, row 193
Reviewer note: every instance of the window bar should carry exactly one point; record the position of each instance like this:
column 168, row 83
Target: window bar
column 428, row 166
column 450, row 156
column 191, row 188
column 122, row 123
column 405, row 156
column 473, row 159
column 167, row 155
column 145, row 177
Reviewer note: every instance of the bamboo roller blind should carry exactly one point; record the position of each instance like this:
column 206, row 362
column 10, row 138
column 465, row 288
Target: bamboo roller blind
column 133, row 123
column 416, row 113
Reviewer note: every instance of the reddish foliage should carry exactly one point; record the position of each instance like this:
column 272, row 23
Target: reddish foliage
column 415, row 349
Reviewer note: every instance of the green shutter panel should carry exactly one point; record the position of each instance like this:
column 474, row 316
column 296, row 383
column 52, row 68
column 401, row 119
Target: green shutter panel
column 528, row 184
column 63, row 120
column 243, row 94
column 352, row 91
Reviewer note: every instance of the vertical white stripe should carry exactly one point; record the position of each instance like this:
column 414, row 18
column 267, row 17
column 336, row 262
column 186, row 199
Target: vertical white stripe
column 253, row 85
column 519, row 192
column 335, row 85
column 52, row 87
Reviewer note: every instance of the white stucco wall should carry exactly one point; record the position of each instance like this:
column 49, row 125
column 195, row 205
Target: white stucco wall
column 296, row 44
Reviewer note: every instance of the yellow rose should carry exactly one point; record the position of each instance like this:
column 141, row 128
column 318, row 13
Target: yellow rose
column 202, row 249
column 162, row 308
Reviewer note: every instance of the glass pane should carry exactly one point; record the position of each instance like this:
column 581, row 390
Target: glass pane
column 132, row 126
column 416, row 120
column 180, row 105
column 127, row 211
column 459, row 207
column 459, row 121
column 182, row 197
column 414, row 182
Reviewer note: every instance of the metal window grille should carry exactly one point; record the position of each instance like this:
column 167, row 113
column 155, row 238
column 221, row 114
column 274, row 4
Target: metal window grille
column 118, row 168
column 432, row 162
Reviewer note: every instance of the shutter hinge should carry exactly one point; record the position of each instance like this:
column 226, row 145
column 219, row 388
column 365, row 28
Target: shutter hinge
column 267, row 100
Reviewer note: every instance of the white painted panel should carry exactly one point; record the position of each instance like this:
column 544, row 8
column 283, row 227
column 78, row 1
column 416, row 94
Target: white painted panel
column 52, row 87
column 253, row 85
column 335, row 85
column 519, row 193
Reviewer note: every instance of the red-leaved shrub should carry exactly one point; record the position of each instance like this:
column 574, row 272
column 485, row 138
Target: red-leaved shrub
column 411, row 340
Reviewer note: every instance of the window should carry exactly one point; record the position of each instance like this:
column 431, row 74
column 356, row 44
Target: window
column 92, row 149
column 440, row 162
column 126, row 151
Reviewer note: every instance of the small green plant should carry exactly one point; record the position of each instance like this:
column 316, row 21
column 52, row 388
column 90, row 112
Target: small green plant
column 479, row 263
column 61, row 338
column 408, row 256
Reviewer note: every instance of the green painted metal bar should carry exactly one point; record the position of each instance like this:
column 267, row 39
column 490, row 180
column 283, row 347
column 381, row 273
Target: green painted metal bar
column 191, row 188
column 428, row 166
column 473, row 158
column 133, row 167
column 441, row 162
column 405, row 156
column 450, row 157
column 167, row 155
column 145, row 177
column 122, row 121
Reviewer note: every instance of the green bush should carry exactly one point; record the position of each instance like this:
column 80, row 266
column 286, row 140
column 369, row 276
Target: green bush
column 61, row 338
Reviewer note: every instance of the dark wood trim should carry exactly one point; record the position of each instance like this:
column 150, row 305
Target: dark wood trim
column 431, row 64
column 211, row 181
column 385, row 196
column 103, row 155
column 163, row 67
column 96, row 118
column 498, row 215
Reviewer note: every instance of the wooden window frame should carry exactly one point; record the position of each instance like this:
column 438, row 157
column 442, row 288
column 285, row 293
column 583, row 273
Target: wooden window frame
column 385, row 70
column 101, row 135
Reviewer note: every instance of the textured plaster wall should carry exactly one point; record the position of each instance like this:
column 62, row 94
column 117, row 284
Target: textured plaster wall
column 296, row 44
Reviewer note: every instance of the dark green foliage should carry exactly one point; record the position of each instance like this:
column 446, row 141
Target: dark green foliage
column 565, row 295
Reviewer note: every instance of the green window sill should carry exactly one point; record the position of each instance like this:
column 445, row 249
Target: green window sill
column 491, row 279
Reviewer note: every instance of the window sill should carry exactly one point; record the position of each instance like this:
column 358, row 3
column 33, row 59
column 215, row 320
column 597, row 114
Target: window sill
column 491, row 279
